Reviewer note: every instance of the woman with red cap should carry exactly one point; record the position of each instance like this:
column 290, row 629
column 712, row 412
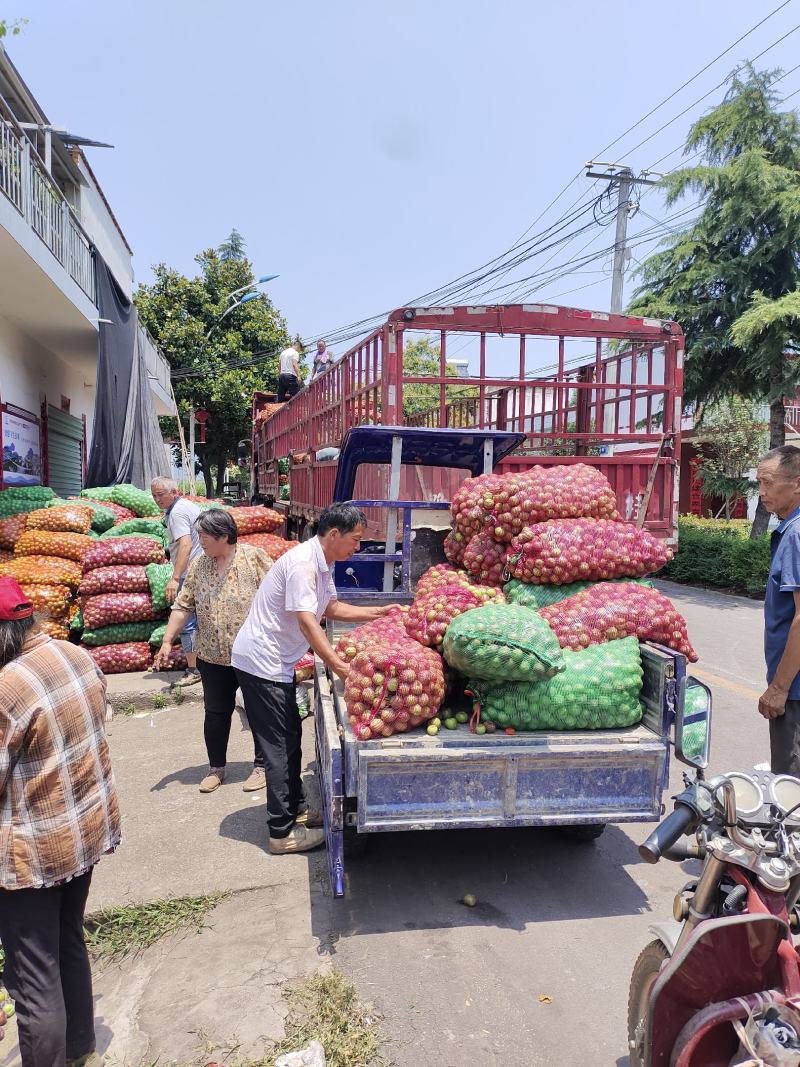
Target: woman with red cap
column 58, row 817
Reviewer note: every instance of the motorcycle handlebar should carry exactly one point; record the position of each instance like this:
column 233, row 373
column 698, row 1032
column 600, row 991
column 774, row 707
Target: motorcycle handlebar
column 667, row 833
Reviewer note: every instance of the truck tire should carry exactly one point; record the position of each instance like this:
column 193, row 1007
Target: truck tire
column 584, row 834
column 645, row 972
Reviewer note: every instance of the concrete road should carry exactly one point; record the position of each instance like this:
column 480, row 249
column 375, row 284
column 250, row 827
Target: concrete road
column 537, row 973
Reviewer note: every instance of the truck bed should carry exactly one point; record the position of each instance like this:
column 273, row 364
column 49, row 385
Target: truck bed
column 458, row 779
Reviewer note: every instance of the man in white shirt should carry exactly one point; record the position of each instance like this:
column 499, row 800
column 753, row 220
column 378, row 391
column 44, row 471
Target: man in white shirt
column 180, row 515
column 289, row 371
column 282, row 623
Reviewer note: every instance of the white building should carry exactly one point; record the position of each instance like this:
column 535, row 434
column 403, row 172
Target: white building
column 52, row 215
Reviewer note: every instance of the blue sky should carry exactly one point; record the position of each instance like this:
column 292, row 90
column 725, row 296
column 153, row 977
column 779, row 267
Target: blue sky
column 371, row 151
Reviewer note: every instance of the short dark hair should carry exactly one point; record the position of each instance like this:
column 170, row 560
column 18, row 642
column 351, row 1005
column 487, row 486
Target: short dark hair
column 788, row 457
column 342, row 517
column 217, row 523
column 13, row 634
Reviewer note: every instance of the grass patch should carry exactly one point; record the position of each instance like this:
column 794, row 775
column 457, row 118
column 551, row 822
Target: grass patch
column 159, row 701
column 178, row 695
column 115, row 933
column 128, row 710
column 326, row 1008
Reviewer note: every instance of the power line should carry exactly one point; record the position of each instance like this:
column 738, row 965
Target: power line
column 694, row 77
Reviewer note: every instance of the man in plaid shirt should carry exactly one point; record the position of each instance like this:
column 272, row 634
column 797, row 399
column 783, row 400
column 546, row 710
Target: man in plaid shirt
column 58, row 817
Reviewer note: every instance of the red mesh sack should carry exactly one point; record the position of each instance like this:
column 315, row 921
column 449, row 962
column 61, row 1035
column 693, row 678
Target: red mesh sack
column 120, row 659
column 42, row 570
column 304, row 668
column 54, row 628
column 108, row 609
column 440, row 574
column 50, row 600
column 485, row 558
column 5, row 555
column 177, row 659
column 137, row 551
column 390, row 627
column 611, row 610
column 121, row 579
column 256, row 520
column 67, row 518
column 273, row 545
column 11, row 528
column 122, row 514
column 507, row 503
column 431, row 614
column 571, row 550
column 47, row 543
column 392, row 688
column 455, row 545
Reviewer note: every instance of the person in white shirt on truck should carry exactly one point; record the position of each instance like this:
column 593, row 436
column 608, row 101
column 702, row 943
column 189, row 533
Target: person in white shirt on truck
column 289, row 371
column 284, row 620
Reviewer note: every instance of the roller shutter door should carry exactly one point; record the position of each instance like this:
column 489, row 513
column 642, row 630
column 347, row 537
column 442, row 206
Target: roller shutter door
column 64, row 452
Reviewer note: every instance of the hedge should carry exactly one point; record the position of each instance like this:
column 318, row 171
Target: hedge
column 719, row 552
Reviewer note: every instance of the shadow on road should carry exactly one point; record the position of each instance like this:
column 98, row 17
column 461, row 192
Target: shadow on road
column 417, row 881
column 234, row 772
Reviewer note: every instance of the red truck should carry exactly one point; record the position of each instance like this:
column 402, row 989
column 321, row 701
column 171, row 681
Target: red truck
column 583, row 386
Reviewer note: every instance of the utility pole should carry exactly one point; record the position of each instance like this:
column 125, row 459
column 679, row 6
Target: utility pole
column 191, row 449
column 621, row 176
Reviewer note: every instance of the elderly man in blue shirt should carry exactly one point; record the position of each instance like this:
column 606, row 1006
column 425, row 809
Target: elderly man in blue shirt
column 779, row 489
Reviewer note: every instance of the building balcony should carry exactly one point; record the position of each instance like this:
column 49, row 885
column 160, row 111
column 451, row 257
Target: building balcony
column 32, row 193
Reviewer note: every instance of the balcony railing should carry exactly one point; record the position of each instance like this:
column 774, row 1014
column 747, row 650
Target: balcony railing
column 793, row 417
column 25, row 182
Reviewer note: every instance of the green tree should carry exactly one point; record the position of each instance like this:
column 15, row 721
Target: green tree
column 422, row 359
column 730, row 278
column 233, row 247
column 12, row 27
column 730, row 438
column 180, row 312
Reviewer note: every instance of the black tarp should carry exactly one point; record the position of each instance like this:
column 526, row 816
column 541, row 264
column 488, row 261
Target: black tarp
column 126, row 442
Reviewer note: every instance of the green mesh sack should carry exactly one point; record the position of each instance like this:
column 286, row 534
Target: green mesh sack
column 283, row 466
column 76, row 623
column 158, row 635
column 598, row 689
column 284, row 493
column 158, row 576
column 119, row 634
column 100, row 492
column 138, row 526
column 139, row 501
column 542, row 596
column 29, row 493
column 502, row 642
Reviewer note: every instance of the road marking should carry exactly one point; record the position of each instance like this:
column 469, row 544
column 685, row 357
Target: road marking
column 734, row 687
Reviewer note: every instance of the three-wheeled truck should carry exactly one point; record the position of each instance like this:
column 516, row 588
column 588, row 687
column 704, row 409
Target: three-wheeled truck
column 579, row 780
column 501, row 388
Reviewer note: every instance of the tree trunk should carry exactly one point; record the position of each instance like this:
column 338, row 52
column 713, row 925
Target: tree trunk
column 777, row 437
column 221, row 460
column 205, row 464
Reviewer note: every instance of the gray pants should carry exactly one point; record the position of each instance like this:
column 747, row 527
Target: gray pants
column 784, row 740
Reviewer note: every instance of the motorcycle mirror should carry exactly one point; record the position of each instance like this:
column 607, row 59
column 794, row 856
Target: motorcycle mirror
column 693, row 724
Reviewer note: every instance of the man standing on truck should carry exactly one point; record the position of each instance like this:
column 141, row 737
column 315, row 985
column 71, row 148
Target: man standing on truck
column 184, row 546
column 289, row 371
column 284, row 620
column 779, row 489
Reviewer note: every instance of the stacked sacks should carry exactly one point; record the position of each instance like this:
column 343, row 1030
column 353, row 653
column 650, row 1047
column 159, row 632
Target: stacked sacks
column 485, row 559
column 597, row 689
column 42, row 570
column 147, row 527
column 389, row 627
column 72, row 546
column 611, row 610
column 103, row 516
column 252, row 520
column 569, row 550
column 119, row 612
column 505, row 504
column 11, row 529
column 20, row 500
column 542, row 596
column 433, row 611
column 271, row 544
column 63, row 517
column 139, row 501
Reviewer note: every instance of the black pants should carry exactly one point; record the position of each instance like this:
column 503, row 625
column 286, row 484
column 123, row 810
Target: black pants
column 784, row 740
column 47, row 971
column 275, row 720
column 288, row 385
column 219, row 697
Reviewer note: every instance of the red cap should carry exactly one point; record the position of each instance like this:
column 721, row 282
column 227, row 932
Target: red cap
column 13, row 602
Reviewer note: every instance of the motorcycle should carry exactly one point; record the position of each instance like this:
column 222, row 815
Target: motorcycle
column 722, row 979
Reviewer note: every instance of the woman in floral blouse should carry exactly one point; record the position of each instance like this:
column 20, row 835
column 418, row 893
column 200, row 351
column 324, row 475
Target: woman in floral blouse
column 219, row 588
